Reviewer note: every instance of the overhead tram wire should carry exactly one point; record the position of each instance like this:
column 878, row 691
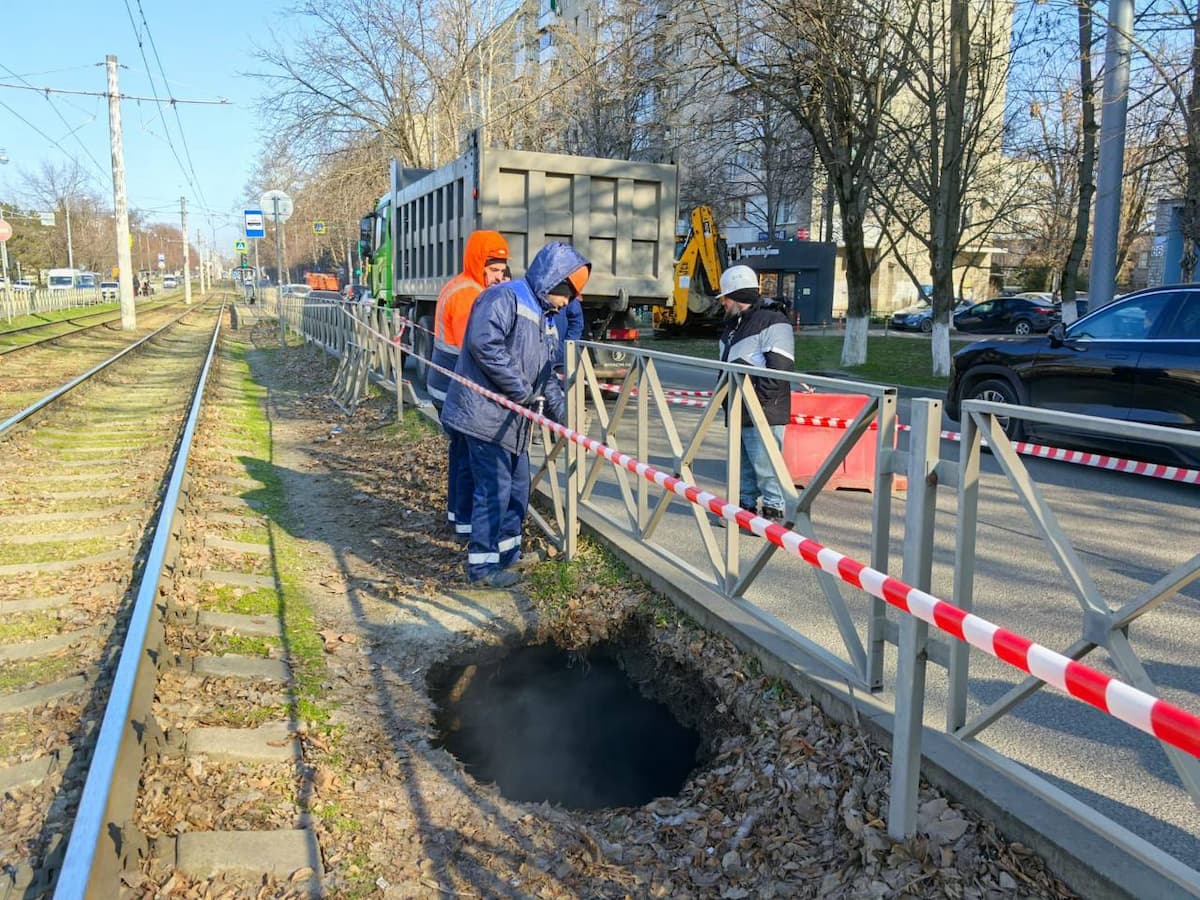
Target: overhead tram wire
column 61, row 148
column 157, row 101
column 220, row 101
column 189, row 171
column 73, row 132
column 178, row 121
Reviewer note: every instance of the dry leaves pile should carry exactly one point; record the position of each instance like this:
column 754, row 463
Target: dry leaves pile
column 787, row 803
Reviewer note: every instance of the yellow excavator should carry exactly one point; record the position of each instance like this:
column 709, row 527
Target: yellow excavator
column 700, row 259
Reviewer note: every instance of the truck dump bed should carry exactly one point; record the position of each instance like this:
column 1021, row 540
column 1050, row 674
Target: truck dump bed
column 619, row 214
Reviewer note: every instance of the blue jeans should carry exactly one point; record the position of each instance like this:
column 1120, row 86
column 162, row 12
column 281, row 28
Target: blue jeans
column 758, row 475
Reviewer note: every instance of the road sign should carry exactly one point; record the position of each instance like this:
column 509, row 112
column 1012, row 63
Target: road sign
column 47, row 219
column 239, row 246
column 802, row 234
column 5, row 231
column 277, row 202
column 254, row 223
column 318, row 227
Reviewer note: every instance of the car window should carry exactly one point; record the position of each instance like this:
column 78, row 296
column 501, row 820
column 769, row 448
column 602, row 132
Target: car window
column 1133, row 320
column 1186, row 326
column 980, row 308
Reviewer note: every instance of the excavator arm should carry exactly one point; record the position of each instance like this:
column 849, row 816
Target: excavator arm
column 699, row 267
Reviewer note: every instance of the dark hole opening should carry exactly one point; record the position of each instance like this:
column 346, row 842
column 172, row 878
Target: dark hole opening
column 544, row 724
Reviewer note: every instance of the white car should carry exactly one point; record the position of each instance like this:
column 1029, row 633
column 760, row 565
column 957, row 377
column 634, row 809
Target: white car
column 22, row 284
column 295, row 290
column 170, row 281
column 110, row 289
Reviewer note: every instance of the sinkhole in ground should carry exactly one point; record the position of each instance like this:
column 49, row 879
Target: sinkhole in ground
column 546, row 724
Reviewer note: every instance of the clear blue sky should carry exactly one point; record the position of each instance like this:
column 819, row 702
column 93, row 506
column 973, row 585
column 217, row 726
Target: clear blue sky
column 204, row 48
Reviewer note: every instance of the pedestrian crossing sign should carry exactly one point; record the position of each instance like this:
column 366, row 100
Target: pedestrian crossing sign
column 239, row 246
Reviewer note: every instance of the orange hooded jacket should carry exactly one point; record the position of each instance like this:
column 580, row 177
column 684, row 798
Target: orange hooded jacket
column 455, row 301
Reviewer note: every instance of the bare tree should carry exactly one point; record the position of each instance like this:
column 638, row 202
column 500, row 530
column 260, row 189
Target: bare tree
column 68, row 190
column 943, row 142
column 835, row 67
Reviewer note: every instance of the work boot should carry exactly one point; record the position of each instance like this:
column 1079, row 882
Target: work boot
column 524, row 562
column 501, row 578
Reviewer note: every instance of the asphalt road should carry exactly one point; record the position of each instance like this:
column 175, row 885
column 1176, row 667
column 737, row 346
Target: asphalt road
column 1128, row 530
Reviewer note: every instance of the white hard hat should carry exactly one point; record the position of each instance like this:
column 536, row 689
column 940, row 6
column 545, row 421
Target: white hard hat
column 738, row 278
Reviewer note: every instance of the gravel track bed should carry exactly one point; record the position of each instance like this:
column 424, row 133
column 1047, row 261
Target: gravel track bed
column 84, row 533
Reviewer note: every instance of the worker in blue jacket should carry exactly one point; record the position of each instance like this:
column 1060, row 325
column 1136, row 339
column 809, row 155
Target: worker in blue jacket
column 510, row 347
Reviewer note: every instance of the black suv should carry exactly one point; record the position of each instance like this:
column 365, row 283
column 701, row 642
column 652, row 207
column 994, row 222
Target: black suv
column 1136, row 359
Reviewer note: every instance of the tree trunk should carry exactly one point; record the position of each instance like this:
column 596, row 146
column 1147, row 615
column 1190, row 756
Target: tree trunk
column 858, row 288
column 946, row 215
column 1087, row 157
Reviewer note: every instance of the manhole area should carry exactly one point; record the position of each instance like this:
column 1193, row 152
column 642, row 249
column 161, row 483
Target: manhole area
column 548, row 725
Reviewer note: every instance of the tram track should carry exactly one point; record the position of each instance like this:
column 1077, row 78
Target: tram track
column 176, row 633
column 33, row 369
column 79, row 488
column 25, row 336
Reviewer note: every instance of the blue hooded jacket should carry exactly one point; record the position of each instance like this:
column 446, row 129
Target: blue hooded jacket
column 510, row 347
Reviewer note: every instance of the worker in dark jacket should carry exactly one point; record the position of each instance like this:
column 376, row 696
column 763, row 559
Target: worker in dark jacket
column 509, row 348
column 485, row 262
column 757, row 333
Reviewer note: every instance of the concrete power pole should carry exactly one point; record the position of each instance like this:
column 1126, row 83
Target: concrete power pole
column 70, row 249
column 1111, row 165
column 187, row 262
column 120, row 205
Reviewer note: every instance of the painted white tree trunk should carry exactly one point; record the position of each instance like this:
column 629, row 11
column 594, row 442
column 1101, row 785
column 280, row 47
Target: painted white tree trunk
column 941, row 348
column 854, row 346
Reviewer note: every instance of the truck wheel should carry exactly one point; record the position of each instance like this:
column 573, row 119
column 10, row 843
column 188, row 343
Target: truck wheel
column 996, row 390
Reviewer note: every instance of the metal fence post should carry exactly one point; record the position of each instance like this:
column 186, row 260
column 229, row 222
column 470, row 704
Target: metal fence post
column 881, row 522
column 923, row 446
column 576, row 397
column 969, row 453
column 389, row 328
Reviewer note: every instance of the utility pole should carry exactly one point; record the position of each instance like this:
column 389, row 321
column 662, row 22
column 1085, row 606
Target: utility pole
column 279, row 269
column 1102, row 277
column 187, row 268
column 120, row 205
column 67, row 206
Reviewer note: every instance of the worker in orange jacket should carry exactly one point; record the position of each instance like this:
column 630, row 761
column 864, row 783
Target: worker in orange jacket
column 485, row 262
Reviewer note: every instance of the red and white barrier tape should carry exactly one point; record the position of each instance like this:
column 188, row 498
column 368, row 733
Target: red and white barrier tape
column 1160, row 718
column 1165, row 721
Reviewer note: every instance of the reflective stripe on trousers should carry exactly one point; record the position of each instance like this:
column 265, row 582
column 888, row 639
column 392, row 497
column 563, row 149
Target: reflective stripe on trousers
column 499, row 502
column 460, row 483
